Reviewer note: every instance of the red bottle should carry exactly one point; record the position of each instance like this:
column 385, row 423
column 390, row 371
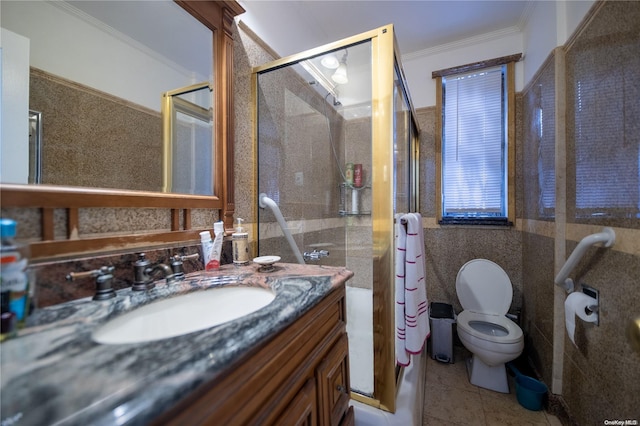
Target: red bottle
column 357, row 175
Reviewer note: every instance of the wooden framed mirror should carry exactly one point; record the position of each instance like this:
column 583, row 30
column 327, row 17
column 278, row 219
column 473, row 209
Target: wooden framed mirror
column 50, row 200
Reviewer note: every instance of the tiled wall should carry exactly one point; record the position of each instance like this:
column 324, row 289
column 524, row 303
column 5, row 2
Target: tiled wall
column 293, row 141
column 52, row 287
column 450, row 247
column 599, row 374
column 447, row 248
column 94, row 139
column 601, row 377
column 539, row 208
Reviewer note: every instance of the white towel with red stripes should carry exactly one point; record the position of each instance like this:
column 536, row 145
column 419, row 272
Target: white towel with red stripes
column 412, row 316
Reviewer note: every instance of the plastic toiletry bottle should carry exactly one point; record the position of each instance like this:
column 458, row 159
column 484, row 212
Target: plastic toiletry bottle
column 357, row 175
column 240, row 243
column 16, row 281
column 216, row 250
column 207, row 245
column 9, row 324
column 348, row 174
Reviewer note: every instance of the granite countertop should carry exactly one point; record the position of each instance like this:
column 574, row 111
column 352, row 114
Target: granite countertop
column 53, row 372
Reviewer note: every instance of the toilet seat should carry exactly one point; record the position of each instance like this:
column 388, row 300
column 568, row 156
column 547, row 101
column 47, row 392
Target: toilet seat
column 484, row 287
column 514, row 332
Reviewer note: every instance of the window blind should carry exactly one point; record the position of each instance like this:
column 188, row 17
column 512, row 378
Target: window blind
column 473, row 144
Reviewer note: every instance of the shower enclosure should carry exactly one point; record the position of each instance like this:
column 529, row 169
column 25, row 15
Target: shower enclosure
column 336, row 147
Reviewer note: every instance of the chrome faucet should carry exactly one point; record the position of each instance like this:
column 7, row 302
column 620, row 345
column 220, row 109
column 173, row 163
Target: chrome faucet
column 144, row 271
column 315, row 254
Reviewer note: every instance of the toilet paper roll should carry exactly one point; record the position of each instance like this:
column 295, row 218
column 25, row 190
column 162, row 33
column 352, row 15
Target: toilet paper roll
column 576, row 304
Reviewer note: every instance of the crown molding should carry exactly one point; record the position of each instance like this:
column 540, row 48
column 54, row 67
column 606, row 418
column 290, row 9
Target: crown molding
column 458, row 44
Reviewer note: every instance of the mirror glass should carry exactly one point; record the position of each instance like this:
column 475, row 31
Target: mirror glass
column 94, row 72
column 188, row 132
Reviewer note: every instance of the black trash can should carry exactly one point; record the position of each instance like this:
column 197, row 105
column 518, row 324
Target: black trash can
column 442, row 319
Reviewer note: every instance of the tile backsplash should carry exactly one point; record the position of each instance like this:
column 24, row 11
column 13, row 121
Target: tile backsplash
column 52, row 287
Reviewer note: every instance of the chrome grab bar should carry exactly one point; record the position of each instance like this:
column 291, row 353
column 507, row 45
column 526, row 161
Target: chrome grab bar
column 263, row 202
column 607, row 237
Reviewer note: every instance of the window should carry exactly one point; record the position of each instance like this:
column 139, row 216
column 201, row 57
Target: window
column 474, row 130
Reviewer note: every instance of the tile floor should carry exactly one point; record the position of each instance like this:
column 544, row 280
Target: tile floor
column 451, row 400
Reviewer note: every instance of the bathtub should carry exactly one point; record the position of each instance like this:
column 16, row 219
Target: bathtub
column 410, row 395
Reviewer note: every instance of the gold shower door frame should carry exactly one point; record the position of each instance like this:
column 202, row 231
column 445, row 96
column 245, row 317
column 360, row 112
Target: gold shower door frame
column 170, row 105
column 383, row 47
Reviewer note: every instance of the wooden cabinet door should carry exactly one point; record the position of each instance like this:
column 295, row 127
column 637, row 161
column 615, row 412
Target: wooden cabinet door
column 333, row 383
column 302, row 410
column 349, row 418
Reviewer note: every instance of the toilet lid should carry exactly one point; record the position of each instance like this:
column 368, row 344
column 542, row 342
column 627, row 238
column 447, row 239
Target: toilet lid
column 483, row 286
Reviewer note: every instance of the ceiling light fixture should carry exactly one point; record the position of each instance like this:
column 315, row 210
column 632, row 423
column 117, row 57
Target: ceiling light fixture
column 330, row 61
column 340, row 76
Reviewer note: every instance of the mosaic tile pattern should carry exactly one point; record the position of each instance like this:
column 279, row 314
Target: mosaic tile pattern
column 600, row 376
column 598, row 381
column 93, row 140
column 603, row 125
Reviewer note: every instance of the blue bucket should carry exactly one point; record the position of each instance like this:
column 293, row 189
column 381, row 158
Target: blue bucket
column 529, row 391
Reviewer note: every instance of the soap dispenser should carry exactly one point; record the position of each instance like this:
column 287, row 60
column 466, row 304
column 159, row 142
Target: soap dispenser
column 240, row 244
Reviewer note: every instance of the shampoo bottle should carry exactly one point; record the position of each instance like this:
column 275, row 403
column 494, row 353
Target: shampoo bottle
column 240, row 243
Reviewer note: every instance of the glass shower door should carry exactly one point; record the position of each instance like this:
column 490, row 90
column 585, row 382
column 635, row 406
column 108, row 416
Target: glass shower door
column 336, row 148
column 314, row 154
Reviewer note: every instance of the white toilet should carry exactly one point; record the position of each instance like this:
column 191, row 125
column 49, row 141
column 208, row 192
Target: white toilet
column 485, row 293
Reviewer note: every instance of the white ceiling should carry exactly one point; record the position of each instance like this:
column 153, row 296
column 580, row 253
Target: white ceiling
column 291, row 27
column 162, row 26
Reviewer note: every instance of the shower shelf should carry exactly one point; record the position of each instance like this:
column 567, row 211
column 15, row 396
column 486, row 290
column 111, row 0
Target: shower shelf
column 353, row 188
column 345, row 213
column 350, row 200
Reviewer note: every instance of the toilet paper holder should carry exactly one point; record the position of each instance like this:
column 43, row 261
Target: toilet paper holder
column 592, row 292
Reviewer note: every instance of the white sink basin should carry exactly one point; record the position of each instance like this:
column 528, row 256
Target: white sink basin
column 183, row 314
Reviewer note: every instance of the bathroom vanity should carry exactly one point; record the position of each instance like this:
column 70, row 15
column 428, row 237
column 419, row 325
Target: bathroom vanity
column 286, row 363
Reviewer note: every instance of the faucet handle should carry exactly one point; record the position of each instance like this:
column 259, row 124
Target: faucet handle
column 186, row 256
column 177, row 261
column 315, row 254
column 104, row 277
column 142, row 261
column 72, row 276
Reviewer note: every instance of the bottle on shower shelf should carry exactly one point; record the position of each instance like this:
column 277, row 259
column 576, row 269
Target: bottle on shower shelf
column 357, row 175
column 348, row 174
column 355, row 209
column 342, row 203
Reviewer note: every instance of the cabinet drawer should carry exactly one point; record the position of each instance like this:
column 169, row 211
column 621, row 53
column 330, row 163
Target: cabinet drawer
column 301, row 411
column 332, row 375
